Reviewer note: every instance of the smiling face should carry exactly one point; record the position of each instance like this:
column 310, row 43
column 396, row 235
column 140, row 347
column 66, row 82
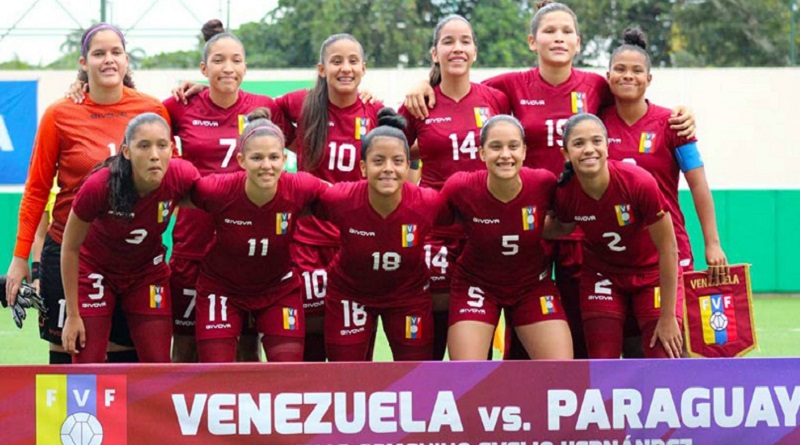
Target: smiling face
column 225, row 65
column 556, row 40
column 503, row 150
column 586, row 147
column 106, row 61
column 629, row 76
column 149, row 151
column 343, row 67
column 263, row 159
column 386, row 165
column 455, row 49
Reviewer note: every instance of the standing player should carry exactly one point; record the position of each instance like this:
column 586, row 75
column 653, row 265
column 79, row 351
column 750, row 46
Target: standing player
column 631, row 258
column 380, row 268
column 332, row 122
column 209, row 125
column 639, row 133
column 504, row 265
column 248, row 267
column 71, row 140
column 543, row 98
column 446, row 142
column 112, row 252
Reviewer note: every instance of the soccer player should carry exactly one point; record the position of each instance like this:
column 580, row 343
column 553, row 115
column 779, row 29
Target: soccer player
column 71, row 140
column 447, row 142
column 543, row 98
column 504, row 265
column 248, row 268
column 332, row 121
column 639, row 133
column 112, row 252
column 209, row 125
column 380, row 268
column 631, row 256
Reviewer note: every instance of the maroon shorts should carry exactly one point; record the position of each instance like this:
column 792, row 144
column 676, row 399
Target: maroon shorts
column 183, row 287
column 468, row 302
column 144, row 294
column 441, row 254
column 348, row 322
column 617, row 295
column 310, row 264
column 278, row 312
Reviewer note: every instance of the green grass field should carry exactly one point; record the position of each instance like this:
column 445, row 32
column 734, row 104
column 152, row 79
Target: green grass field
column 776, row 326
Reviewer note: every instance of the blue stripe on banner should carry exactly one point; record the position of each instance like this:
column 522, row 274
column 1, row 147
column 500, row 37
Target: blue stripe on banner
column 81, row 394
column 18, row 121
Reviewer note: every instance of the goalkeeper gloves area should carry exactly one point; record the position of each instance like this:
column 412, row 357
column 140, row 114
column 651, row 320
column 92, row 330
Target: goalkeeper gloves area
column 27, row 298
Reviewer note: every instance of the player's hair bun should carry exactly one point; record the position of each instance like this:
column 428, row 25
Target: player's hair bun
column 388, row 117
column 211, row 28
column 259, row 113
column 635, row 37
column 543, row 3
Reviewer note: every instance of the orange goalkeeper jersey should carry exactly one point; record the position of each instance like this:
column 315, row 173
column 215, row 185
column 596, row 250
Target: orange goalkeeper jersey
column 72, row 139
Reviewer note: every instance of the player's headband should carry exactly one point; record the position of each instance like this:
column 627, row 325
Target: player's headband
column 95, row 30
column 272, row 130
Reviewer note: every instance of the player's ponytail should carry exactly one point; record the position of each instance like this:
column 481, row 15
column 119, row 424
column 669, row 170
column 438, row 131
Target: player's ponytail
column 435, row 75
column 260, row 124
column 567, row 174
column 314, row 118
column 390, row 124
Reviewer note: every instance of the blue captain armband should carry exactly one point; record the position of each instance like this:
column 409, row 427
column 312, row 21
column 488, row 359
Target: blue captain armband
column 688, row 157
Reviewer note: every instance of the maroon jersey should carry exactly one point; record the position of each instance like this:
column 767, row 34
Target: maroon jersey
column 208, row 135
column 543, row 109
column 504, row 249
column 651, row 144
column 449, row 137
column 615, row 226
column 347, row 127
column 380, row 259
column 250, row 251
column 128, row 245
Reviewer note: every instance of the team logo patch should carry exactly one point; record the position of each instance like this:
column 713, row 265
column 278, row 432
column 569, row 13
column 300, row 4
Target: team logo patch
column 81, row 409
column 528, row 218
column 481, row 116
column 362, row 127
column 409, row 235
column 718, row 319
column 289, row 319
column 578, row 102
column 647, row 142
column 413, row 327
column 156, row 296
column 164, row 210
column 624, row 214
column 548, row 304
column 282, row 222
column 242, row 119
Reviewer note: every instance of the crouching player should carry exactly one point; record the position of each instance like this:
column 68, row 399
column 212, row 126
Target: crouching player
column 380, row 270
column 112, row 251
column 248, row 268
column 631, row 257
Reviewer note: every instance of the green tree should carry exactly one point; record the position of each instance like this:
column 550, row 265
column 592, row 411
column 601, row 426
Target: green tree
column 501, row 29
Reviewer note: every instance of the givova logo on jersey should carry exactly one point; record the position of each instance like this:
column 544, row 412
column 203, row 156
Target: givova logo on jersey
column 718, row 319
column 81, row 409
